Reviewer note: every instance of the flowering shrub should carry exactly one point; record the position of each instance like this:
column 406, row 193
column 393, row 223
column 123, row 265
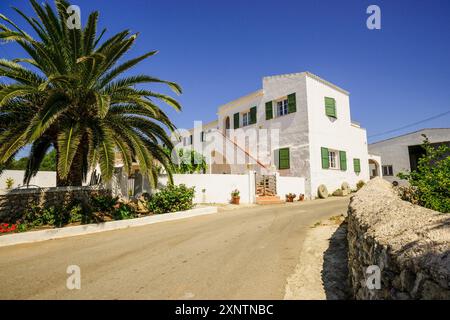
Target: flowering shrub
column 6, row 227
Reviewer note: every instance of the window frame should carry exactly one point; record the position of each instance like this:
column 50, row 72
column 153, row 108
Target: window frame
column 336, row 160
column 390, row 173
column 284, row 107
column 246, row 119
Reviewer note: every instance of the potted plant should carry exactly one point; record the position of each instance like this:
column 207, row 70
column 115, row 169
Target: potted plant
column 301, row 197
column 235, row 196
column 290, row 197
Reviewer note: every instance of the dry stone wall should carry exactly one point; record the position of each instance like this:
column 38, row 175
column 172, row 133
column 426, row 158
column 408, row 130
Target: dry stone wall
column 17, row 201
column 410, row 245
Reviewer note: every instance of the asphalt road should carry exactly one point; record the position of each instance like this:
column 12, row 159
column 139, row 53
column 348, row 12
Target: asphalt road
column 240, row 254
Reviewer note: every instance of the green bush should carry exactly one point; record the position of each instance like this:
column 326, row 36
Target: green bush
column 9, row 183
column 56, row 216
column 431, row 180
column 103, row 203
column 360, row 184
column 124, row 211
column 172, row 198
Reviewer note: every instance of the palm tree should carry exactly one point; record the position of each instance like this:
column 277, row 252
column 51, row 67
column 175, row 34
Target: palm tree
column 73, row 99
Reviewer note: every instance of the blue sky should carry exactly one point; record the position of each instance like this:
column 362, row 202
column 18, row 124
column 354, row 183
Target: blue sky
column 220, row 50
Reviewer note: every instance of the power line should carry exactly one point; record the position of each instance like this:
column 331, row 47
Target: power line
column 411, row 125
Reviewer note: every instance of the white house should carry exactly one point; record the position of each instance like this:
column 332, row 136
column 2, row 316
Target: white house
column 297, row 125
column 400, row 154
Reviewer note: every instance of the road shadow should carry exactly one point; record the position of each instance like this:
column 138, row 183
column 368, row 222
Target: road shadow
column 335, row 276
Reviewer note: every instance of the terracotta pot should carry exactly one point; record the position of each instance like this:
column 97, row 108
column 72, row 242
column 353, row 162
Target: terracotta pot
column 301, row 197
column 290, row 199
column 235, row 200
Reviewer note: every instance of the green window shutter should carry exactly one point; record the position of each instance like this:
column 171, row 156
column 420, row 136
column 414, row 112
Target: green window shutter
column 269, row 111
column 325, row 159
column 292, row 104
column 253, row 115
column 330, row 107
column 236, row 120
column 357, row 165
column 343, row 160
column 283, row 158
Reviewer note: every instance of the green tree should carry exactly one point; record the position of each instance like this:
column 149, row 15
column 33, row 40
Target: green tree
column 75, row 100
column 47, row 164
column 431, row 180
column 188, row 161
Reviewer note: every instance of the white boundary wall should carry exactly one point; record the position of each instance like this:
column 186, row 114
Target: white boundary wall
column 217, row 187
column 44, row 179
column 287, row 185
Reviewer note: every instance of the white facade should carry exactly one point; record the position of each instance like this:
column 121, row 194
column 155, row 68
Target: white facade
column 395, row 152
column 305, row 132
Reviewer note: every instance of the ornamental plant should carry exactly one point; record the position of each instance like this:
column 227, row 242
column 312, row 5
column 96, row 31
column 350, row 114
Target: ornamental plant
column 6, row 227
column 430, row 183
column 171, row 199
column 235, row 193
column 9, row 183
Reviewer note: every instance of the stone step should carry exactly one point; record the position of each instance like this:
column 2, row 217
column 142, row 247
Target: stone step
column 268, row 200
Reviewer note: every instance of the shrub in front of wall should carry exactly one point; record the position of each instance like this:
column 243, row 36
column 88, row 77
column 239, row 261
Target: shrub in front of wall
column 124, row 211
column 57, row 216
column 9, row 183
column 431, row 180
column 103, row 203
column 360, row 184
column 171, row 199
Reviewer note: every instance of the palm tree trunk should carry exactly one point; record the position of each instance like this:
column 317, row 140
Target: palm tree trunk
column 75, row 176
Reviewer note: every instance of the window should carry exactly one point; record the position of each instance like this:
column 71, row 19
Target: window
column 283, row 158
column 269, row 111
column 191, row 139
column 330, row 107
column 282, row 107
column 202, row 136
column 236, row 120
column 357, row 165
column 246, row 119
column 332, row 159
column 388, row 170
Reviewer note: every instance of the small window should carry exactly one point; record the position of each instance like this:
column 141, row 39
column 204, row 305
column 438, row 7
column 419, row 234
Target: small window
column 191, row 139
column 333, row 159
column 330, row 107
column 202, row 136
column 357, row 165
column 246, row 119
column 283, row 159
column 388, row 170
column 282, row 107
